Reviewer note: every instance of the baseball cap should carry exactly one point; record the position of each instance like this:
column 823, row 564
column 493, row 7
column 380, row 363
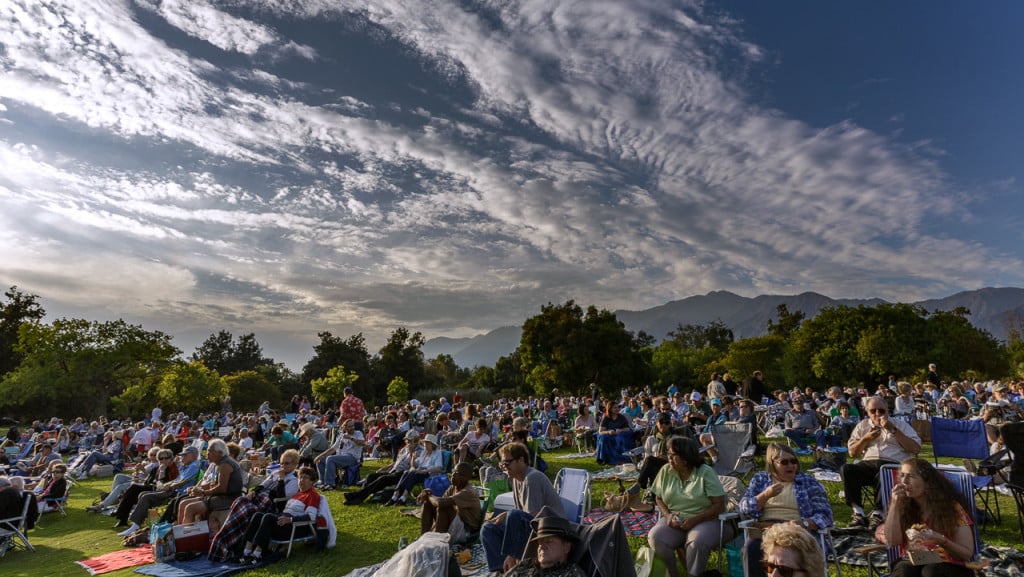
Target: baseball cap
column 695, row 396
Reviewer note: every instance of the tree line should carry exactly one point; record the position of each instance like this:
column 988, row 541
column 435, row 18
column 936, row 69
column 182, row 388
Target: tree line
column 77, row 367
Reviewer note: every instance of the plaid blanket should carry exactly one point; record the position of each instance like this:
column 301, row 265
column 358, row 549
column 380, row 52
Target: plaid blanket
column 232, row 531
column 635, row 524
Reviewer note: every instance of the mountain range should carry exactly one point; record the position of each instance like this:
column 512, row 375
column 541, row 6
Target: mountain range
column 992, row 309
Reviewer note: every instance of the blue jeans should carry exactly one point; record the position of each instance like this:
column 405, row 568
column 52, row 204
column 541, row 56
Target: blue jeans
column 797, row 436
column 328, row 468
column 506, row 540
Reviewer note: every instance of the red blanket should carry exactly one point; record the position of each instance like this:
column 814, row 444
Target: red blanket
column 118, row 560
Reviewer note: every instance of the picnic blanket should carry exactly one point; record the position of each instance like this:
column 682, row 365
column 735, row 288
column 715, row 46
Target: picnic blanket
column 118, row 560
column 624, row 472
column 199, row 567
column 635, row 524
column 575, row 455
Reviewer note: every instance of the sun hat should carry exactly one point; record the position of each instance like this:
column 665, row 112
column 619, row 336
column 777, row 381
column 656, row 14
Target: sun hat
column 430, row 438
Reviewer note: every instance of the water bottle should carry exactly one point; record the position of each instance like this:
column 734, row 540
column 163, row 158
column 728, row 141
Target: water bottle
column 403, row 542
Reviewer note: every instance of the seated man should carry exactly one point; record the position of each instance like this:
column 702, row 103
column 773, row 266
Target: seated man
column 876, row 440
column 110, row 452
column 457, row 512
column 388, row 476
column 281, row 439
column 346, row 451
column 38, row 464
column 554, row 539
column 505, row 536
column 800, row 423
column 188, row 474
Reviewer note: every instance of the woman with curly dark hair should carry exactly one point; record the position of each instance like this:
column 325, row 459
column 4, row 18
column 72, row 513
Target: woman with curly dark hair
column 920, row 518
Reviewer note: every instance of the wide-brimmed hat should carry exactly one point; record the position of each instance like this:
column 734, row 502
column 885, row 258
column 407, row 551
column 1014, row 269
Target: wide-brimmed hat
column 553, row 526
column 307, row 428
column 430, row 438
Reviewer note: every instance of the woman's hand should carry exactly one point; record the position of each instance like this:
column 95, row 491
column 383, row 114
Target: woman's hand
column 284, row 520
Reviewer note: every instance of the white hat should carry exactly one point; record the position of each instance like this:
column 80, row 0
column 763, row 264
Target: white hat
column 695, row 396
column 430, row 438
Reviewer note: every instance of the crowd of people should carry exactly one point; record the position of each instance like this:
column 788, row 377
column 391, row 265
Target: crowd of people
column 296, row 454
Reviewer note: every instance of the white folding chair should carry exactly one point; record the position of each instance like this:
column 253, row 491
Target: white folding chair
column 573, row 486
column 12, row 530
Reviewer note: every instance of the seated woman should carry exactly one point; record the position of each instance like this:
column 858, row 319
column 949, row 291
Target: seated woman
column 171, row 443
column 165, row 472
column 110, row 452
column 473, row 444
column 55, row 488
column 655, row 457
column 689, row 497
column 920, row 518
column 789, row 550
column 282, row 483
column 839, row 428
column 421, row 466
column 782, row 494
column 219, row 489
column 614, row 437
column 264, row 527
column 122, row 481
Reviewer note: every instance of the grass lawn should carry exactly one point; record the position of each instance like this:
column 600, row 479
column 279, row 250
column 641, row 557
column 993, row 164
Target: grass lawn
column 367, row 534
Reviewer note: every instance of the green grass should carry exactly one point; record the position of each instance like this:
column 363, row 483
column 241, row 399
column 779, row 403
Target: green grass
column 367, row 534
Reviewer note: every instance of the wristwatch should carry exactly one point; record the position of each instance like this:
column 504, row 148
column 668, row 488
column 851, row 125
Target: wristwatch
column 806, row 524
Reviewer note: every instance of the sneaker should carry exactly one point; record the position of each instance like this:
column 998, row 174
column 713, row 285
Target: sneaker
column 803, row 451
column 875, row 520
column 858, row 521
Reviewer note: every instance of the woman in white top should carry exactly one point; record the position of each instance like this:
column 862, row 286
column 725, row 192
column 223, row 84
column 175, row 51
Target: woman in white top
column 430, row 462
column 905, row 401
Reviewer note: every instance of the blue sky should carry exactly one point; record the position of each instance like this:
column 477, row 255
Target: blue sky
column 285, row 168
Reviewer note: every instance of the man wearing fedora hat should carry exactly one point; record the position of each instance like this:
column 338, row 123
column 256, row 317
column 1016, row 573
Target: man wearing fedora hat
column 553, row 541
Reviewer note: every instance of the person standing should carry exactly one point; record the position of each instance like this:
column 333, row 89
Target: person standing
column 753, row 387
column 352, row 408
column 933, row 376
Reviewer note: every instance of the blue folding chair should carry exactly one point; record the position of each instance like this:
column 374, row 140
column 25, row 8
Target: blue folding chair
column 966, row 439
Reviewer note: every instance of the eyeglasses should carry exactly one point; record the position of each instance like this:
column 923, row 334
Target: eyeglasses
column 163, row 458
column 770, row 568
column 785, row 462
column 505, row 462
column 878, row 411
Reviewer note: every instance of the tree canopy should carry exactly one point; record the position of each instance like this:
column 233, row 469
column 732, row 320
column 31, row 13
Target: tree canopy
column 17, row 309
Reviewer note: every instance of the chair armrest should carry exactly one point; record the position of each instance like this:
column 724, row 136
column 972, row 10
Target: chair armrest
column 728, row 515
column 869, row 549
column 746, row 523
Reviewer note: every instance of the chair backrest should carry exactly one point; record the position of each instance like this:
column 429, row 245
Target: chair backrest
column 888, row 476
column 573, row 486
column 959, row 438
column 1013, row 437
column 27, row 449
column 12, row 452
column 734, row 491
column 732, row 440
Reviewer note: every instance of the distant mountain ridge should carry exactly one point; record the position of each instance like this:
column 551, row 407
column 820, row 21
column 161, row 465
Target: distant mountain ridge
column 991, row 309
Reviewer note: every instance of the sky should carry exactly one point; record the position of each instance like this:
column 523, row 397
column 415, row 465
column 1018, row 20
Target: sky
column 284, row 168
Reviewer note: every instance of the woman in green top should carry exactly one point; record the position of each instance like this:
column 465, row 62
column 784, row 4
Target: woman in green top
column 689, row 498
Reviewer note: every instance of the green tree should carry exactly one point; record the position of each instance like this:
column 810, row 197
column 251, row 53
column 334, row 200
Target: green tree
column 248, row 389
column 566, row 349
column 958, row 346
column 756, row 354
column 17, row 309
column 332, row 351
column 192, row 388
column 509, row 375
column 672, row 363
column 222, row 353
column 714, row 335
column 332, row 387
column 398, row 390
column 73, row 367
column 788, row 322
column 402, row 357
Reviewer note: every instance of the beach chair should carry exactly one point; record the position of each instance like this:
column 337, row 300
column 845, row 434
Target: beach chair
column 735, row 448
column 60, row 503
column 12, row 530
column 573, row 486
column 967, row 440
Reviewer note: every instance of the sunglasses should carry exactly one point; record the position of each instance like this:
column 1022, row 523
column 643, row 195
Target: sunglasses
column 785, row 462
column 878, row 411
column 505, row 462
column 770, row 568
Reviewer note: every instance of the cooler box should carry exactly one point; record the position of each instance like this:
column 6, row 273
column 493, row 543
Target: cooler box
column 503, row 502
column 194, row 537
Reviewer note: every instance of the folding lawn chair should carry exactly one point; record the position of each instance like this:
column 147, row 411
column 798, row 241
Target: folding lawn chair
column 12, row 530
column 735, row 448
column 967, row 440
column 573, row 486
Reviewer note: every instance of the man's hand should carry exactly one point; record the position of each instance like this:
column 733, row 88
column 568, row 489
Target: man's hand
column 510, row 562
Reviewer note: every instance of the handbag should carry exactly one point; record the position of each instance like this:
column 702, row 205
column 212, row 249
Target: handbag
column 437, row 484
column 161, row 539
